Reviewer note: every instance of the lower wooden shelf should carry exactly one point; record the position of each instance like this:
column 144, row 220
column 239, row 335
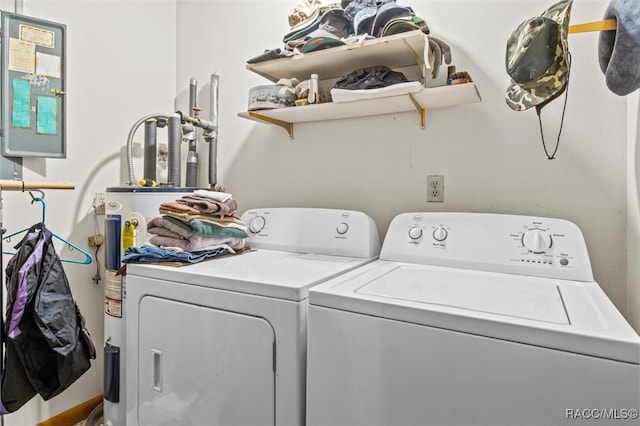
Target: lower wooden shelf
column 428, row 98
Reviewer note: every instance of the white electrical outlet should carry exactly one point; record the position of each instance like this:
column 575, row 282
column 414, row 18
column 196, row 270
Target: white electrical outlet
column 435, row 188
column 100, row 203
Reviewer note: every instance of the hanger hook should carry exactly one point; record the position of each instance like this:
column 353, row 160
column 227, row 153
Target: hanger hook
column 34, row 198
column 40, row 200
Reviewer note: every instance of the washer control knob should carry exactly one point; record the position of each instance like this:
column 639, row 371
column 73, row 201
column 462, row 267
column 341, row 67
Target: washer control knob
column 342, row 228
column 440, row 234
column 536, row 240
column 415, row 233
column 256, row 224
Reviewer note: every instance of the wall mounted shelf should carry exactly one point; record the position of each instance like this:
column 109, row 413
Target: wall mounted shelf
column 406, row 50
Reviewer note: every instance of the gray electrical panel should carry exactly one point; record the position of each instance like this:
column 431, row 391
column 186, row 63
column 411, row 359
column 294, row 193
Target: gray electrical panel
column 33, row 84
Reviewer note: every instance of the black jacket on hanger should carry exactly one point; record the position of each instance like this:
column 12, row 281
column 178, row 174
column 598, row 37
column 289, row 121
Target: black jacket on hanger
column 47, row 345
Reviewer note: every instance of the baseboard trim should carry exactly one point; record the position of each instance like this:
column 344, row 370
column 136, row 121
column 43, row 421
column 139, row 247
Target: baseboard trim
column 73, row 415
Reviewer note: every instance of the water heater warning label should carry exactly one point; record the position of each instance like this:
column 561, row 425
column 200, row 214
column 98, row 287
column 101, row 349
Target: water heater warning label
column 113, row 294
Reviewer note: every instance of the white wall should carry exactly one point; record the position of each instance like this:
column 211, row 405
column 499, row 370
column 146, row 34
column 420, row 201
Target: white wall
column 491, row 157
column 120, row 66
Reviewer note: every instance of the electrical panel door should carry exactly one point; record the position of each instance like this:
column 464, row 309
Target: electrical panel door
column 33, row 87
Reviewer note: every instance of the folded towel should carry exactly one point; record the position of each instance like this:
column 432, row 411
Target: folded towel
column 166, row 242
column 208, row 229
column 167, row 228
column 202, row 243
column 215, row 195
column 196, row 243
column 178, row 208
column 208, row 205
column 187, row 217
column 224, row 224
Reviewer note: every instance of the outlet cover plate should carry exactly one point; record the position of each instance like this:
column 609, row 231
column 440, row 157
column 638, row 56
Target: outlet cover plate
column 435, row 188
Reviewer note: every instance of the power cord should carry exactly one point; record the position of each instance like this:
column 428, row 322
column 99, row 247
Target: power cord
column 97, row 240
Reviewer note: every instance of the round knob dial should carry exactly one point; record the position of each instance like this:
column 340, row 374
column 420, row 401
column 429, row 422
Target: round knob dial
column 536, row 240
column 342, row 228
column 415, row 233
column 440, row 234
column 256, row 224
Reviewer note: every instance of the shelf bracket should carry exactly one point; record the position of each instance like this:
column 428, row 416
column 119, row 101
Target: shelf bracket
column 418, row 58
column 422, row 112
column 284, row 124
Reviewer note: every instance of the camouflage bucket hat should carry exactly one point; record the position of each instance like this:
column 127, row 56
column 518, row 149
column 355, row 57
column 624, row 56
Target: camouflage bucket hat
column 538, row 59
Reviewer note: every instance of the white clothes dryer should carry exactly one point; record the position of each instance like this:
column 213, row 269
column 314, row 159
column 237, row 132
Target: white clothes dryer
column 223, row 342
column 471, row 319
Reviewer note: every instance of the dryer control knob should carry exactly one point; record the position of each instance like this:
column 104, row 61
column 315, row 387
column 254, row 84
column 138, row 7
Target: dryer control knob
column 342, row 228
column 256, row 224
column 440, row 234
column 536, row 240
column 415, row 233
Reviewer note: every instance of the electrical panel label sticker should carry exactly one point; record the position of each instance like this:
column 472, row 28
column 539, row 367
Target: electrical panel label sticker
column 22, row 56
column 47, row 115
column 49, row 65
column 38, row 36
column 21, row 103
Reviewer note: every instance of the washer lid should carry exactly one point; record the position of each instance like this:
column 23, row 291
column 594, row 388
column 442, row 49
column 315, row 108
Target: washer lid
column 519, row 296
column 570, row 316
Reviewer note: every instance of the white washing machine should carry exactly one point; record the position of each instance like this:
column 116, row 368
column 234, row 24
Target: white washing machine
column 471, row 319
column 223, row 342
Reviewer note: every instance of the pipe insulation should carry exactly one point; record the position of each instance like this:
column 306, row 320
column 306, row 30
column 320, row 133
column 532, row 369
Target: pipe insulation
column 191, row 177
column 212, row 134
column 150, row 148
column 193, row 95
column 175, row 138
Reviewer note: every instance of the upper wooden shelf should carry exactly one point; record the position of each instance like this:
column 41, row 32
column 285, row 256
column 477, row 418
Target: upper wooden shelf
column 395, row 51
column 399, row 51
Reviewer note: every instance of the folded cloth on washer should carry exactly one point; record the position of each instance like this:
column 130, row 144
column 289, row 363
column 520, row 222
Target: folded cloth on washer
column 188, row 217
column 215, row 195
column 202, row 228
column 151, row 254
column 169, row 242
column 167, row 228
column 196, row 243
column 223, row 224
column 208, row 205
column 204, row 243
column 174, row 206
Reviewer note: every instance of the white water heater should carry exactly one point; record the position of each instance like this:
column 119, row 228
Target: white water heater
column 128, row 209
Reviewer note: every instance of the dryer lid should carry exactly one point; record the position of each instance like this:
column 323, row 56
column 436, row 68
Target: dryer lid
column 515, row 296
column 268, row 273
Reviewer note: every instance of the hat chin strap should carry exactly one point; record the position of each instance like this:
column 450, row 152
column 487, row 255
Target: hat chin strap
column 539, row 110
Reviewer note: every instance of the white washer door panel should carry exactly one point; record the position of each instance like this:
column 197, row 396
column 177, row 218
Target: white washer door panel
column 199, row 365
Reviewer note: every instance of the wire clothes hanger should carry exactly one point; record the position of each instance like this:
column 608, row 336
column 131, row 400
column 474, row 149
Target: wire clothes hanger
column 87, row 257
